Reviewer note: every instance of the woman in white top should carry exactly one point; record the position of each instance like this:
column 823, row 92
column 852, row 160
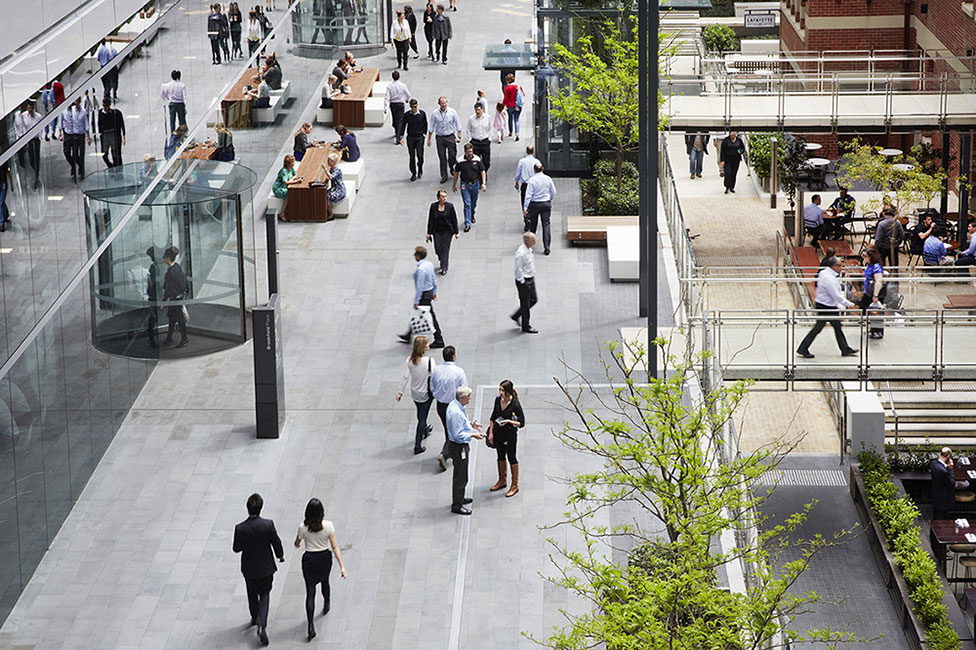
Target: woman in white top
column 400, row 36
column 319, row 535
column 416, row 374
column 254, row 33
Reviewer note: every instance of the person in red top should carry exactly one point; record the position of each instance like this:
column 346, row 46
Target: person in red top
column 51, row 96
column 513, row 102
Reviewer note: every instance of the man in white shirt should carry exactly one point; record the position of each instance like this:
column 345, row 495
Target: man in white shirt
column 813, row 219
column 828, row 301
column 479, row 131
column 539, row 194
column 174, row 94
column 525, row 170
column 525, row 283
column 24, row 121
column 395, row 100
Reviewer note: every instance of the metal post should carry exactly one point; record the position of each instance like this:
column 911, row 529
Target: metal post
column 773, row 171
column 944, row 205
column 648, row 17
column 965, row 167
column 271, row 223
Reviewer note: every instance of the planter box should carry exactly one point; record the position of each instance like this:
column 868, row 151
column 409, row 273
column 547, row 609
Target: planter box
column 891, row 574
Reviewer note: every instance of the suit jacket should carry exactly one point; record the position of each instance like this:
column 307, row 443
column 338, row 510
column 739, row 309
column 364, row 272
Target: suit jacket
column 943, row 486
column 257, row 541
column 442, row 29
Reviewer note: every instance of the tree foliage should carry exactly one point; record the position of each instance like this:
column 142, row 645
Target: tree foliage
column 904, row 188
column 657, row 446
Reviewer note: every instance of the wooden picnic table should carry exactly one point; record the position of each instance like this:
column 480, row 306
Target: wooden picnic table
column 200, row 152
column 307, row 203
column 236, row 106
column 349, row 109
column 841, row 248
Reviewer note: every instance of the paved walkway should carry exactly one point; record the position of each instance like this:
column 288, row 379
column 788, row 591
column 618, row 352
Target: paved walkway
column 144, row 559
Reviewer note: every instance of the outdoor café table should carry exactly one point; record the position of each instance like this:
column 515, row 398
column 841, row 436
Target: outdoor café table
column 841, row 248
column 818, row 162
column 236, row 106
column 200, row 152
column 349, row 109
column 943, row 532
column 891, row 153
column 964, row 469
column 309, row 203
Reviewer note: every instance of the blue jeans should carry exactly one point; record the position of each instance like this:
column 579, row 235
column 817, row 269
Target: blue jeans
column 469, row 193
column 513, row 119
column 696, row 158
column 423, row 408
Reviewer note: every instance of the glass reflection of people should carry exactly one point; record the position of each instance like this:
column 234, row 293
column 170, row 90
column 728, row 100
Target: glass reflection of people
column 148, row 170
column 152, row 295
column 174, row 141
column 318, row 22
column 4, row 184
column 174, row 288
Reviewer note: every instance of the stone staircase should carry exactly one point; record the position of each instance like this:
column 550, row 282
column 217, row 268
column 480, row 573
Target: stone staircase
column 918, row 414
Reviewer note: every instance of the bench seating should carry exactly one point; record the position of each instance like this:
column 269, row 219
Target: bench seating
column 354, row 171
column 594, row 229
column 267, row 115
column 323, row 115
column 379, row 88
column 340, row 209
column 374, row 111
column 284, row 92
column 623, row 252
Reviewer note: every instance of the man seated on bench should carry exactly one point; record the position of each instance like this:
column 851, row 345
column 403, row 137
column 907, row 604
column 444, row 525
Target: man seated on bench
column 261, row 95
column 934, row 253
column 843, row 210
column 813, row 219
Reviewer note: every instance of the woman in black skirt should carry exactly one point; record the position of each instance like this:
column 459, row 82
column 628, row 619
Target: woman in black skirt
column 506, row 420
column 442, row 225
column 319, row 535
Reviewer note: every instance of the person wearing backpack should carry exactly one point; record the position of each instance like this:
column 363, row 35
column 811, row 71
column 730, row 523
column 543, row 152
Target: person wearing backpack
column 514, row 98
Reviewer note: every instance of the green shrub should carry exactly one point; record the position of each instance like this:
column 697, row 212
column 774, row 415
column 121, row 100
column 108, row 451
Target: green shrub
column 610, row 200
column 720, row 38
column 897, row 515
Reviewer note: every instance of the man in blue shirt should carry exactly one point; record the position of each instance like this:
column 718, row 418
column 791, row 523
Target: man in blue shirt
column 110, row 80
column 74, row 133
column 446, row 125
column 934, row 249
column 425, row 293
column 444, row 382
column 459, row 433
column 969, row 257
column 524, row 171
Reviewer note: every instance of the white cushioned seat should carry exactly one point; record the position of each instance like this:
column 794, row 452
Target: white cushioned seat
column 374, row 111
column 353, row 171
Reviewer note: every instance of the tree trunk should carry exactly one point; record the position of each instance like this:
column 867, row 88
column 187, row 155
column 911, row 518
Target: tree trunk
column 619, row 169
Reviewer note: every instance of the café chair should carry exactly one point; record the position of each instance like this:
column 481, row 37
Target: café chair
column 965, row 496
column 962, row 552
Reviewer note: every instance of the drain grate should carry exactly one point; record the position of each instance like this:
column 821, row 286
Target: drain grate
column 807, row 478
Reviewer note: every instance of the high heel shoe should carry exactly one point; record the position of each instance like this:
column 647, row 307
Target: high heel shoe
column 311, row 631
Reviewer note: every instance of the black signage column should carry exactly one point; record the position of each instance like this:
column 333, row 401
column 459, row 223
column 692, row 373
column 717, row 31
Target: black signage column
column 269, row 373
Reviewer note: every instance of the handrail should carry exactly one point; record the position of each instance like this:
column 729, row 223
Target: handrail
column 894, row 411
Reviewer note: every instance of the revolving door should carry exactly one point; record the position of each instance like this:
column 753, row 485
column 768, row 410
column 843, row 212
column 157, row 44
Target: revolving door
column 145, row 304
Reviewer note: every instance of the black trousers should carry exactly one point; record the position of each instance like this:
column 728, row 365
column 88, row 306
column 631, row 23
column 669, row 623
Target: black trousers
column 258, row 597
column 527, row 299
column 482, row 148
column 176, row 321
column 112, row 143
column 460, row 454
column 31, row 155
column 447, row 153
column 440, row 53
column 110, row 83
column 430, row 43
column 74, row 152
column 889, row 256
column 731, row 171
column 826, row 315
column 215, row 50
column 396, row 110
column 427, row 300
column 442, row 247
column 505, row 444
column 539, row 209
column 402, row 48
column 415, row 147
column 442, row 414
column 522, row 195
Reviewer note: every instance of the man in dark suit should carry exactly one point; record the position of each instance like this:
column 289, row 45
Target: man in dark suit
column 943, row 484
column 255, row 539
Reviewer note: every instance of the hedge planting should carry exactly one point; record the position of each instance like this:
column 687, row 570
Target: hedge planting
column 897, row 514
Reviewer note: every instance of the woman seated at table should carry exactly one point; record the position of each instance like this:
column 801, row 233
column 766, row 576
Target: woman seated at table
column 174, row 141
column 342, row 69
column 261, row 95
column 337, row 185
column 285, row 179
column 303, row 141
column 225, row 143
column 271, row 73
column 334, row 91
column 347, row 144
column 351, row 61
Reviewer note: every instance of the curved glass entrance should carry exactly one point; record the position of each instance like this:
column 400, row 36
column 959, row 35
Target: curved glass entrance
column 198, row 213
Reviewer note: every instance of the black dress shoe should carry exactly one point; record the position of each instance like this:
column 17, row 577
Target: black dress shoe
column 403, row 339
column 437, row 344
column 467, row 228
column 461, row 511
column 473, row 220
column 732, row 189
column 419, row 450
column 327, row 607
column 263, row 635
column 805, row 354
column 849, row 353
column 517, row 319
column 467, row 500
column 529, row 330
column 413, row 177
column 420, row 173
column 254, row 621
column 443, row 179
column 546, row 252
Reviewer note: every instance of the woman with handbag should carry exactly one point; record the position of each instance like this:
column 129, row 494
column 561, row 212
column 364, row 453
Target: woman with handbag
column 874, row 289
column 506, row 419
column 442, row 225
column 416, row 374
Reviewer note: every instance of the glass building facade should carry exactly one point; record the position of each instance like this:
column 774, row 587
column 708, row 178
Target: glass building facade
column 323, row 28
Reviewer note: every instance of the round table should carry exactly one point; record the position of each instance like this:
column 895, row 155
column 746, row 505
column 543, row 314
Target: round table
column 891, row 153
column 812, row 146
column 818, row 162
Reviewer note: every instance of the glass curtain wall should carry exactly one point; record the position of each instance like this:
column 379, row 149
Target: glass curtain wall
column 322, row 28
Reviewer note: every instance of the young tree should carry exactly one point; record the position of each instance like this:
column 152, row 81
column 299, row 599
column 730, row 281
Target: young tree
column 602, row 96
column 659, row 449
column 906, row 187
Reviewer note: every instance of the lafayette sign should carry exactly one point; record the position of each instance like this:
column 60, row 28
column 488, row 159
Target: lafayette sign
column 759, row 18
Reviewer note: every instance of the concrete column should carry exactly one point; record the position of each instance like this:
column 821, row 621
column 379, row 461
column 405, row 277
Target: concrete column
column 865, row 422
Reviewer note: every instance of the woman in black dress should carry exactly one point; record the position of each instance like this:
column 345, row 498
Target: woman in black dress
column 506, row 420
column 174, row 288
column 429, row 14
column 442, row 224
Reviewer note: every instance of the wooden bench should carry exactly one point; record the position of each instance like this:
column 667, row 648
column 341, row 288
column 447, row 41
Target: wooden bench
column 960, row 301
column 594, row 229
column 841, row 248
column 350, row 109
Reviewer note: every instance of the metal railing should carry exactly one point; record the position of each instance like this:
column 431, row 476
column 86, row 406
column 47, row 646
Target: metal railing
column 684, row 255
